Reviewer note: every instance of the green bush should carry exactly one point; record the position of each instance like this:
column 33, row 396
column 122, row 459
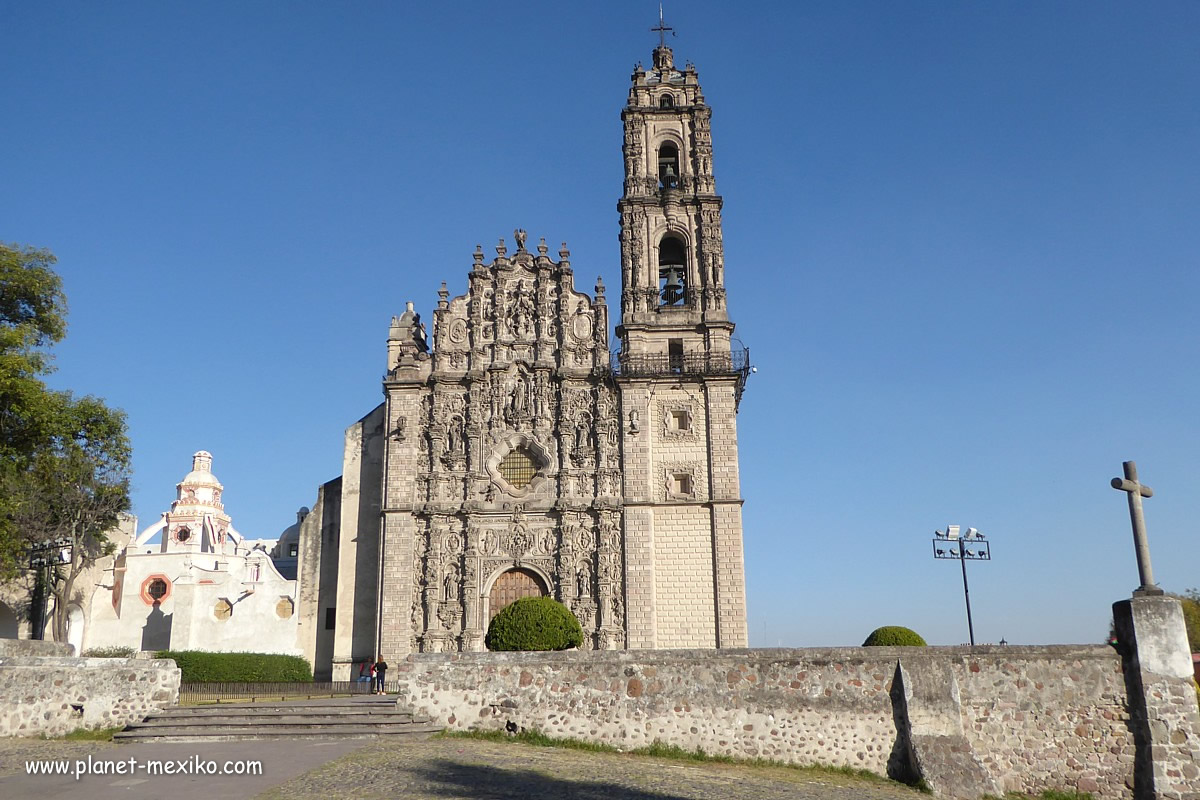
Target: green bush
column 534, row 623
column 109, row 652
column 894, row 636
column 202, row 667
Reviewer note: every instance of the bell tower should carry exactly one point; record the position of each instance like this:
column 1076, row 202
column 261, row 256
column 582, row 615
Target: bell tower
column 672, row 259
column 680, row 373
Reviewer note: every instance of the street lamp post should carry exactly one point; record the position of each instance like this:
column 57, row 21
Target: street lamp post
column 43, row 558
column 971, row 546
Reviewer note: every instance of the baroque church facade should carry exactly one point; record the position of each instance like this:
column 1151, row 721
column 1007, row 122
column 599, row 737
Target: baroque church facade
column 517, row 454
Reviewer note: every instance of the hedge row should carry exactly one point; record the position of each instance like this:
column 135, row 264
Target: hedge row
column 202, row 667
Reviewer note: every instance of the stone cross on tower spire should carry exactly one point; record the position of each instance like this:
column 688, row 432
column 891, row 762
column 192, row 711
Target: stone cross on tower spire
column 1136, row 492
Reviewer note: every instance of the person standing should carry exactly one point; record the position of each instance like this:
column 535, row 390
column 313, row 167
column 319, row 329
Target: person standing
column 381, row 667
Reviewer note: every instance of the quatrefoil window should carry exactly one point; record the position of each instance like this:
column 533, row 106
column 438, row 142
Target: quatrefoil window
column 519, row 467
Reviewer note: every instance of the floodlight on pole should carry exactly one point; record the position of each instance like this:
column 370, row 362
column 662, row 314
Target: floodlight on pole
column 949, row 544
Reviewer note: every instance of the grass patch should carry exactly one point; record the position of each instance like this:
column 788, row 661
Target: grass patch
column 87, row 735
column 659, row 749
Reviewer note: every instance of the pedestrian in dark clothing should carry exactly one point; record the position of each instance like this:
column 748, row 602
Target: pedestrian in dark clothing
column 380, row 671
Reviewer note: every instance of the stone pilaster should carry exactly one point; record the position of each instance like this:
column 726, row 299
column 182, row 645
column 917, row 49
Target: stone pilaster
column 1162, row 698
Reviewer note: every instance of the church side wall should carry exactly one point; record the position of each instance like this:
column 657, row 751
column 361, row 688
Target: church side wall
column 1033, row 717
column 331, row 527
column 358, row 546
column 311, row 579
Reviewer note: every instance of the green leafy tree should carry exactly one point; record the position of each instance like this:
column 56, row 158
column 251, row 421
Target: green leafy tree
column 33, row 312
column 64, row 461
column 74, row 491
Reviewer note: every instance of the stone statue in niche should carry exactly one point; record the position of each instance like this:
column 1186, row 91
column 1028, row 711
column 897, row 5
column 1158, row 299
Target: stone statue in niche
column 583, row 579
column 518, row 399
column 521, row 311
column 450, row 585
column 489, row 306
column 634, row 422
column 583, row 434
column 455, row 447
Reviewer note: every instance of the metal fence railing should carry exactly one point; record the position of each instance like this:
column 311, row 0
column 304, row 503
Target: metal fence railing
column 197, row 693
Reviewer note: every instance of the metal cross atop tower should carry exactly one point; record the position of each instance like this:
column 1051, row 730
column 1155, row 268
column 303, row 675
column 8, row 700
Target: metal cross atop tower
column 1136, row 491
column 662, row 28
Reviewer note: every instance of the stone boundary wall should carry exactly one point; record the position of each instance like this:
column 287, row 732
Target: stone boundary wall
column 969, row 721
column 51, row 696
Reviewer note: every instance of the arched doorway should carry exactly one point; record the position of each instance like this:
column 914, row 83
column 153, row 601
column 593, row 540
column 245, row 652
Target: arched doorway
column 513, row 585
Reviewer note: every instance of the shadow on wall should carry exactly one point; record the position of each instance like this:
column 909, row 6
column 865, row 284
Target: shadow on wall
column 899, row 765
column 156, row 633
column 9, row 625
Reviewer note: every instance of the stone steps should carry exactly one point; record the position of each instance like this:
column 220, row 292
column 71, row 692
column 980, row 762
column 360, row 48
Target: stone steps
column 355, row 718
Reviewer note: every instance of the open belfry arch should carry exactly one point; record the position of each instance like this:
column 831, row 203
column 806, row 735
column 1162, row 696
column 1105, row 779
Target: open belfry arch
column 516, row 454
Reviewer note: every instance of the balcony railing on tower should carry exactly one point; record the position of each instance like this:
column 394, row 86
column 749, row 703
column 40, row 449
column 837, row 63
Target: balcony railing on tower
column 735, row 364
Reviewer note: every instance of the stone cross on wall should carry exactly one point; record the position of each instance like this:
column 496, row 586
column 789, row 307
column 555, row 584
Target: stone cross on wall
column 1136, row 491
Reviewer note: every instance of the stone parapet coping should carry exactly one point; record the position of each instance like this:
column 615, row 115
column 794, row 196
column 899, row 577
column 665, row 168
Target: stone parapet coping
column 892, row 654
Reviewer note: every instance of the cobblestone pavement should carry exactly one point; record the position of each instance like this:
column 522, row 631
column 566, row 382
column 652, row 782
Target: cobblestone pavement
column 468, row 768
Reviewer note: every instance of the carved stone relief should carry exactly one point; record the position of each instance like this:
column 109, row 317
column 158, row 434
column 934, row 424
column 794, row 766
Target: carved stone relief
column 513, row 369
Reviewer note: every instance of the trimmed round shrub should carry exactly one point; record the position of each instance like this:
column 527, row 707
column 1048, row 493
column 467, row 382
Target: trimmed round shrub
column 894, row 636
column 534, row 623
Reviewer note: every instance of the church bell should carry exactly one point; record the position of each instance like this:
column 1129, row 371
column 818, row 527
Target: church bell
column 670, row 179
column 673, row 283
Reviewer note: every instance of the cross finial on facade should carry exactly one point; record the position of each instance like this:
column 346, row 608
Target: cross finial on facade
column 1136, row 491
column 662, row 28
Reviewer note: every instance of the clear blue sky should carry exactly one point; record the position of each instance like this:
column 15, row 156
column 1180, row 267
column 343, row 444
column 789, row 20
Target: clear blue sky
column 961, row 243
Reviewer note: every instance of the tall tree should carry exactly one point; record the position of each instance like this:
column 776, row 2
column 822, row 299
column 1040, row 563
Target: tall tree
column 73, row 493
column 33, row 316
column 64, row 461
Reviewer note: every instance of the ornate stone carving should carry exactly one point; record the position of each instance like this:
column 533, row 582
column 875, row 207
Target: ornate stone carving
column 677, row 420
column 513, row 368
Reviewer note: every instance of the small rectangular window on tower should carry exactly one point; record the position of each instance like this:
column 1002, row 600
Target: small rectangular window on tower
column 675, row 355
column 330, row 617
